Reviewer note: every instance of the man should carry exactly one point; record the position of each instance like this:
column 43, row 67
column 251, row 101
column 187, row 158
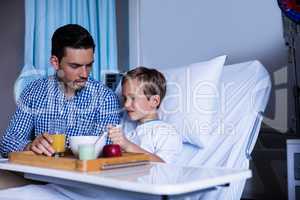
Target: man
column 69, row 102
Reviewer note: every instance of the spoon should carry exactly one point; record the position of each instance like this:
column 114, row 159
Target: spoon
column 100, row 138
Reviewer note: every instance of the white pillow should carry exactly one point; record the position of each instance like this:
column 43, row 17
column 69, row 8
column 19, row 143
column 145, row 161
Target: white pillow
column 28, row 74
column 192, row 98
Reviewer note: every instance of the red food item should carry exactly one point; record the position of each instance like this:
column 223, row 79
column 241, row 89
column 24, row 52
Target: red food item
column 112, row 150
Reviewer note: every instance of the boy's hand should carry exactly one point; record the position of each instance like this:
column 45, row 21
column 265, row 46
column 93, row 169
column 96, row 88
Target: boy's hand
column 117, row 137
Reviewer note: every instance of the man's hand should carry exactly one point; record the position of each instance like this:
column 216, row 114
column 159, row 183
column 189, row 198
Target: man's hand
column 41, row 145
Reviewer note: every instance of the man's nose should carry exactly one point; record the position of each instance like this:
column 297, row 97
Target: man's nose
column 84, row 73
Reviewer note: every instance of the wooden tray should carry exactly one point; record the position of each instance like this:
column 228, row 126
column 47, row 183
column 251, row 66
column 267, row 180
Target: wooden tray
column 69, row 162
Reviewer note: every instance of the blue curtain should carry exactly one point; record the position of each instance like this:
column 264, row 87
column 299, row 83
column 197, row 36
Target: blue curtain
column 44, row 16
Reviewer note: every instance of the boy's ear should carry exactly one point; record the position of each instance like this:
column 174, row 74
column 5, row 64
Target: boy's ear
column 54, row 62
column 155, row 100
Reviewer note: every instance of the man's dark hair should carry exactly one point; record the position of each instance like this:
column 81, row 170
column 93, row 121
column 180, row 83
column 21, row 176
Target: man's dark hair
column 152, row 81
column 73, row 36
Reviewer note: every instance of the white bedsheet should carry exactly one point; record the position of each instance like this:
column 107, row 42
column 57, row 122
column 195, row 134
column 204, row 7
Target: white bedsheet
column 33, row 192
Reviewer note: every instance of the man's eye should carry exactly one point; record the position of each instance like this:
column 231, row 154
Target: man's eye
column 74, row 66
column 89, row 65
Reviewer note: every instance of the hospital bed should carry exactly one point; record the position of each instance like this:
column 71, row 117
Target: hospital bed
column 243, row 94
column 247, row 100
column 247, row 88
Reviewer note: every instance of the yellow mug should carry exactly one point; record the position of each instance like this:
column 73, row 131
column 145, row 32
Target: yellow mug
column 58, row 142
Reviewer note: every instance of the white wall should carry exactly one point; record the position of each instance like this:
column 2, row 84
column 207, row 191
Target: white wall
column 179, row 32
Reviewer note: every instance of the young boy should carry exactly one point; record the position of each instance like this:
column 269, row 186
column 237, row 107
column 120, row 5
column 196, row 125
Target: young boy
column 143, row 90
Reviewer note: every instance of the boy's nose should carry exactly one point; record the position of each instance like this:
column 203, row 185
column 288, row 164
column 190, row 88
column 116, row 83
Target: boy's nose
column 127, row 104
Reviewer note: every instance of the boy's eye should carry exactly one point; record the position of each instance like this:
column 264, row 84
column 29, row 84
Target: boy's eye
column 131, row 98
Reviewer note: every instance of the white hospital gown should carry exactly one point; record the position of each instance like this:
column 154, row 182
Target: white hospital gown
column 159, row 138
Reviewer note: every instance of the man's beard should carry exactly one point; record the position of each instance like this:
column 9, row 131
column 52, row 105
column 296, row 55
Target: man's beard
column 71, row 85
column 74, row 85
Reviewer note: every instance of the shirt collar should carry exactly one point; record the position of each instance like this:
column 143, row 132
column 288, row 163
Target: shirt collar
column 146, row 122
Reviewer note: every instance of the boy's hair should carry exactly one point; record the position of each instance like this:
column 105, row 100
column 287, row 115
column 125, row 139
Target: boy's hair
column 153, row 81
column 70, row 35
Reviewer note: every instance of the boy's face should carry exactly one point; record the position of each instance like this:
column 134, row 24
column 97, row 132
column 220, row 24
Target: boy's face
column 74, row 67
column 138, row 106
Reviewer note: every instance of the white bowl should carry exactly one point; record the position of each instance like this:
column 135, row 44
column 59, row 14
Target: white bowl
column 75, row 141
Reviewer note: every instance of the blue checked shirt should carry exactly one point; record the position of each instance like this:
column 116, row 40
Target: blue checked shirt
column 43, row 107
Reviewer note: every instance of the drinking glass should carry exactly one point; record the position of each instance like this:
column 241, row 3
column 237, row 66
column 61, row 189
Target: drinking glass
column 57, row 134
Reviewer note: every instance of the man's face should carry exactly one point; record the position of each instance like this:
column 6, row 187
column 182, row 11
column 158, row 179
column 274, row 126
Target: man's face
column 74, row 67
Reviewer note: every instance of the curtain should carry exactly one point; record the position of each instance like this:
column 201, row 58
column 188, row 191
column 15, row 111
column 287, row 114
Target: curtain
column 43, row 17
